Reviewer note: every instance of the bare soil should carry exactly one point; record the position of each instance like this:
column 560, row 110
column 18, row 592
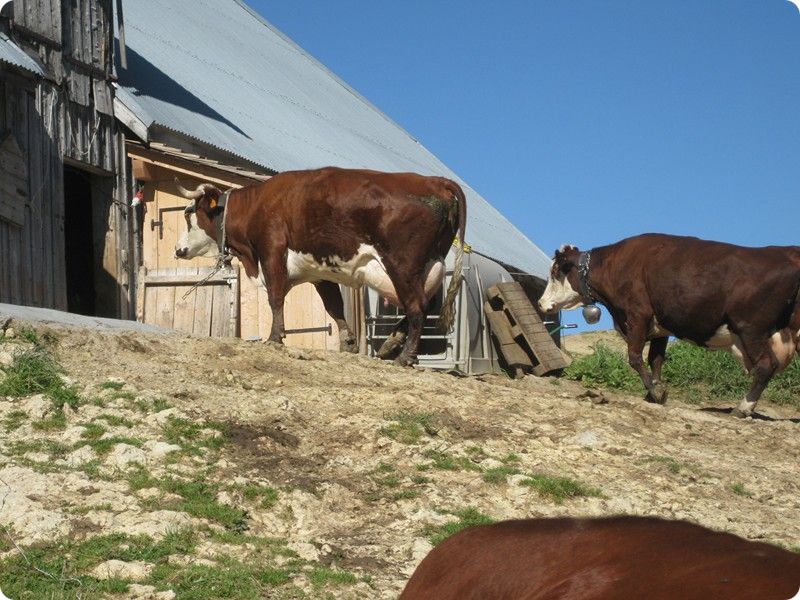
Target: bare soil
column 321, row 427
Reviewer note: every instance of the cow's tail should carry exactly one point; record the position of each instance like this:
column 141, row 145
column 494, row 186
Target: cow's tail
column 448, row 312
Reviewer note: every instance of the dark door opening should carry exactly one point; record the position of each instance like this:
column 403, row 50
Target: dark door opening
column 79, row 242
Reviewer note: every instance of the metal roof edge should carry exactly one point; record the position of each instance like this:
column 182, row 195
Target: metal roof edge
column 23, row 60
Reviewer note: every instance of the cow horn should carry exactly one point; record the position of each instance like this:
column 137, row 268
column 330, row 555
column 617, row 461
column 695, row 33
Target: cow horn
column 187, row 194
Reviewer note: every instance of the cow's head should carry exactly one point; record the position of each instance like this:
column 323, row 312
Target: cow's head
column 562, row 288
column 200, row 238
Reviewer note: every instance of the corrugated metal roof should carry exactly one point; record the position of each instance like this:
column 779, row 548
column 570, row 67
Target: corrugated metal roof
column 14, row 55
column 216, row 71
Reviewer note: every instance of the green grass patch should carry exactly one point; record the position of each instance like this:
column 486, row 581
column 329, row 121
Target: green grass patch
column 265, row 495
column 198, row 498
column 35, row 371
column 111, row 385
column 692, row 373
column 14, row 420
column 93, row 431
column 497, row 475
column 672, row 465
column 105, row 445
column 449, row 462
column 739, row 489
column 231, row 579
column 55, row 449
column 192, row 437
column 409, row 427
column 468, row 517
column 322, row 576
column 116, row 420
column 558, row 489
column 67, row 561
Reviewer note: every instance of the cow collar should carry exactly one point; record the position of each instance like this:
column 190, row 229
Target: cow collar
column 583, row 276
column 222, row 203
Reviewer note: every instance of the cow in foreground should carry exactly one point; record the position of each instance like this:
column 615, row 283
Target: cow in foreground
column 716, row 295
column 602, row 559
column 389, row 231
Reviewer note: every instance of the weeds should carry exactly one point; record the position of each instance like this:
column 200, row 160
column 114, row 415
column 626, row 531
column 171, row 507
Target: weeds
column 468, row 517
column 559, row 489
column 408, row 427
column 693, row 373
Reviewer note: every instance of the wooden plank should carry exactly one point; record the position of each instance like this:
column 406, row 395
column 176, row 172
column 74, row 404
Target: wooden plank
column 165, row 303
column 184, row 307
column 221, row 310
column 528, row 329
column 248, row 308
column 140, row 293
column 202, row 311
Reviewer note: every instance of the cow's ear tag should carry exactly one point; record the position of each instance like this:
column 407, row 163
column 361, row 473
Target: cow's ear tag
column 213, row 203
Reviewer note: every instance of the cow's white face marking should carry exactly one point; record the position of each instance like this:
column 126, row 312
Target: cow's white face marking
column 195, row 242
column 559, row 295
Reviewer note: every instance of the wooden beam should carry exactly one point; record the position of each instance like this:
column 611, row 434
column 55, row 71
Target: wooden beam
column 179, row 165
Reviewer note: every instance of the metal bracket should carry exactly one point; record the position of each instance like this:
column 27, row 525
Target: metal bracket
column 160, row 222
column 327, row 328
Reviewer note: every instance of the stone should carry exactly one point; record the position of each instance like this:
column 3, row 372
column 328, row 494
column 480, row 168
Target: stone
column 124, row 456
column 118, row 569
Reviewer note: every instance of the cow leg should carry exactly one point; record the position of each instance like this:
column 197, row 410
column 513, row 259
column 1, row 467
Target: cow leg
column 765, row 364
column 334, row 306
column 391, row 347
column 277, row 287
column 411, row 294
column 655, row 358
column 636, row 338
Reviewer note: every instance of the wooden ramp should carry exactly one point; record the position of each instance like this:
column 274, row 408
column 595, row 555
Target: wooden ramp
column 520, row 334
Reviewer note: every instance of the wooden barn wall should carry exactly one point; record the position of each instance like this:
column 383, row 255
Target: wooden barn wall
column 66, row 117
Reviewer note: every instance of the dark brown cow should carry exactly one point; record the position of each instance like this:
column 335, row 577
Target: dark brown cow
column 389, row 231
column 716, row 295
column 621, row 558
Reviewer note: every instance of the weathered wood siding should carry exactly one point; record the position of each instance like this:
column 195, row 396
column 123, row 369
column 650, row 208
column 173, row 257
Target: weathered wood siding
column 66, row 118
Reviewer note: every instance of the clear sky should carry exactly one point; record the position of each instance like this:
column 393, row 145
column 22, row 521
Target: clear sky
column 587, row 121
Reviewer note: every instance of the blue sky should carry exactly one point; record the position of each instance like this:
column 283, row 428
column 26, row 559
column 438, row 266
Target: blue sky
column 587, row 121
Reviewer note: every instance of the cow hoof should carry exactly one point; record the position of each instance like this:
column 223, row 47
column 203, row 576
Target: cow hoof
column 741, row 414
column 658, row 395
column 348, row 344
column 405, row 361
column 392, row 346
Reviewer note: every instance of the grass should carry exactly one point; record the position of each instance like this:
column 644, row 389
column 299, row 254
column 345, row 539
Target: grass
column 409, row 427
column 63, row 564
column 198, row 498
column 496, row 475
column 322, row 576
column 105, row 445
column 191, row 437
column 14, row 420
column 448, row 462
column 467, row 517
column 558, row 489
column 35, row 371
column 739, row 489
column 265, row 495
column 692, row 373
column 673, row 466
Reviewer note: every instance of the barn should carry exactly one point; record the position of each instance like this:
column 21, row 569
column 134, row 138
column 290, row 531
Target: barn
column 65, row 226
column 112, row 120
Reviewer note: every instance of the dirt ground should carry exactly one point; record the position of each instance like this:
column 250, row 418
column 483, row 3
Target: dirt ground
column 322, row 428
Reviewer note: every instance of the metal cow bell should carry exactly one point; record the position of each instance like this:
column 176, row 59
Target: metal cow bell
column 591, row 313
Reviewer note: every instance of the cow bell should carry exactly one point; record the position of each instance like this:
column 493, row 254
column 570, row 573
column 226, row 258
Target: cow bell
column 591, row 313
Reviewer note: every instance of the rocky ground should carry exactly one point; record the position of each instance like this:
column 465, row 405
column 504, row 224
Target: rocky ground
column 203, row 468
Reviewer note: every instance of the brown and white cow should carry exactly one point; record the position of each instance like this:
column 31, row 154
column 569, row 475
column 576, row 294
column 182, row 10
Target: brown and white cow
column 619, row 558
column 716, row 295
column 389, row 231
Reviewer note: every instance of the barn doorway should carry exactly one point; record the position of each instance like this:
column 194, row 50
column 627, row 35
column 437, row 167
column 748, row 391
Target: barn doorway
column 79, row 242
